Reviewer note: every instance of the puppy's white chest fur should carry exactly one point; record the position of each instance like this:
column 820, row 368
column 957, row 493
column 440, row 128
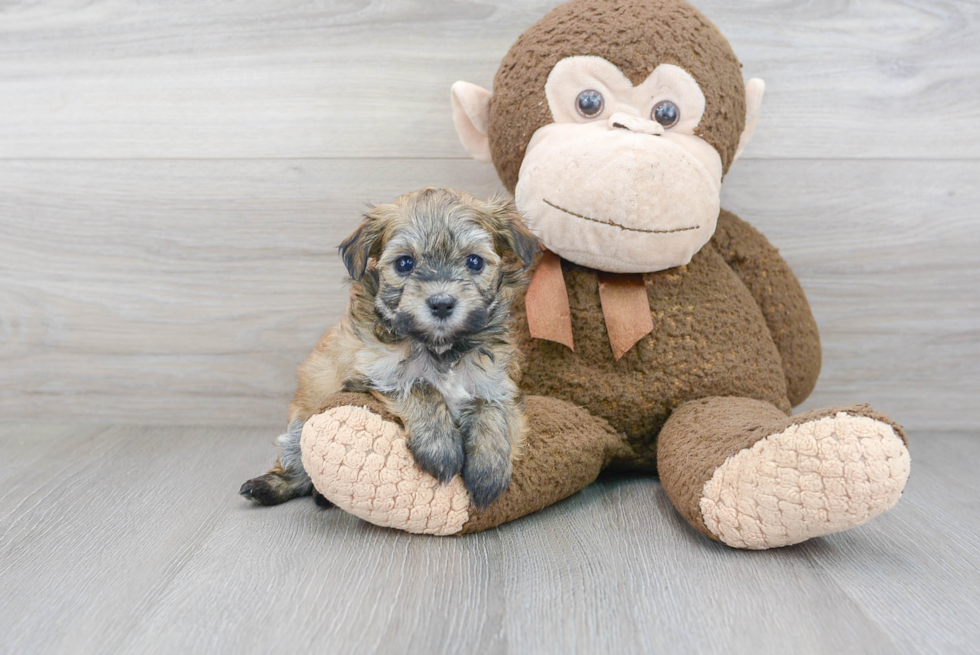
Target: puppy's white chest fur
column 472, row 377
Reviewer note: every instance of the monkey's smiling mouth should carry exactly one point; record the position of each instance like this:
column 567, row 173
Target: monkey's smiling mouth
column 621, row 227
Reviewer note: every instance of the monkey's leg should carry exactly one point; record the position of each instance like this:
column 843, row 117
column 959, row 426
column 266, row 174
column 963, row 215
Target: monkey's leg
column 357, row 456
column 742, row 472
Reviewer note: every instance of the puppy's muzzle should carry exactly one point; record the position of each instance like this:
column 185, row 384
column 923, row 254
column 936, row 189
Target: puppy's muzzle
column 441, row 306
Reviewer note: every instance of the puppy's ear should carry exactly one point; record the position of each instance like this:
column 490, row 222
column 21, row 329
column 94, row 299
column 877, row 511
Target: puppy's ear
column 509, row 231
column 363, row 244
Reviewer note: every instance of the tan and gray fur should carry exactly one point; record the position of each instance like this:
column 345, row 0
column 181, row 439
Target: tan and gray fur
column 434, row 343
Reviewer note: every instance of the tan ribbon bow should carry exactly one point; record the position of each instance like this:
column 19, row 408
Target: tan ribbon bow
column 625, row 306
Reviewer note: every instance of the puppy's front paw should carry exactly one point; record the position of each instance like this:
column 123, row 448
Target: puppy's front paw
column 438, row 452
column 486, row 475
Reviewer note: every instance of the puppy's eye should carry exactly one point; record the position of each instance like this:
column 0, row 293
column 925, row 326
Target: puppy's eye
column 404, row 265
column 590, row 103
column 475, row 263
column 666, row 113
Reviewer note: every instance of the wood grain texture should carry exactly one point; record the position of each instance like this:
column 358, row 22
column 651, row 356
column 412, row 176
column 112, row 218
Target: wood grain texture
column 371, row 78
column 132, row 539
column 188, row 291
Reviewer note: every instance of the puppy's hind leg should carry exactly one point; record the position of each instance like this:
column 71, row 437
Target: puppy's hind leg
column 288, row 479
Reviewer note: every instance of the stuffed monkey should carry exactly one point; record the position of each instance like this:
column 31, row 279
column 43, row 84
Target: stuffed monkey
column 661, row 333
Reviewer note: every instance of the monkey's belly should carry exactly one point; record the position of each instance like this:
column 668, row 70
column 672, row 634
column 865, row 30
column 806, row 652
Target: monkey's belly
column 709, row 339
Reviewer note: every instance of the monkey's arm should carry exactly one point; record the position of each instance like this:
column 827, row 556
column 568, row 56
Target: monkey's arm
column 779, row 294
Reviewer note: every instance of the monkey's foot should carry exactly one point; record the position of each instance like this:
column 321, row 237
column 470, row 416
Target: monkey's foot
column 358, row 458
column 811, row 479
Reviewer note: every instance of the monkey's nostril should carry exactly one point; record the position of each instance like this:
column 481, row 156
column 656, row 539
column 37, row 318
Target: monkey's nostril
column 441, row 306
column 635, row 124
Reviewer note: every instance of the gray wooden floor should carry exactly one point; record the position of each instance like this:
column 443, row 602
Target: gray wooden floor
column 133, row 540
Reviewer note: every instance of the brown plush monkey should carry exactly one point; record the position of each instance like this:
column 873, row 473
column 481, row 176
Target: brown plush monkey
column 662, row 333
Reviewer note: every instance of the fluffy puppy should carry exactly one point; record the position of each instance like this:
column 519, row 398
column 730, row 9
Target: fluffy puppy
column 427, row 330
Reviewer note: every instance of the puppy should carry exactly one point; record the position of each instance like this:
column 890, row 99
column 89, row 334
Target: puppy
column 427, row 330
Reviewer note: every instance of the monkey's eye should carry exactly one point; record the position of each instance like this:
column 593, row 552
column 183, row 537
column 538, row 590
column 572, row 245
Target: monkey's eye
column 666, row 113
column 590, row 103
column 404, row 264
column 475, row 263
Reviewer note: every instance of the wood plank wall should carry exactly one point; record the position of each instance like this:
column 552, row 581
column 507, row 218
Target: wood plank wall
column 174, row 179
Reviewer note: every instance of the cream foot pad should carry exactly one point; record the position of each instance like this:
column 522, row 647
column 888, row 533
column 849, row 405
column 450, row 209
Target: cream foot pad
column 810, row 480
column 362, row 464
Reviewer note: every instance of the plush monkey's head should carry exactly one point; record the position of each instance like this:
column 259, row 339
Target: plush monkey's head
column 613, row 123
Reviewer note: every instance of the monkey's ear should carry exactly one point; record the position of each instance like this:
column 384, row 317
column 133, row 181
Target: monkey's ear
column 357, row 249
column 511, row 233
column 471, row 115
column 754, row 90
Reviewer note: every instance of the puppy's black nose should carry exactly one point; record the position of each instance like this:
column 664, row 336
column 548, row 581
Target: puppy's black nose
column 441, row 306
